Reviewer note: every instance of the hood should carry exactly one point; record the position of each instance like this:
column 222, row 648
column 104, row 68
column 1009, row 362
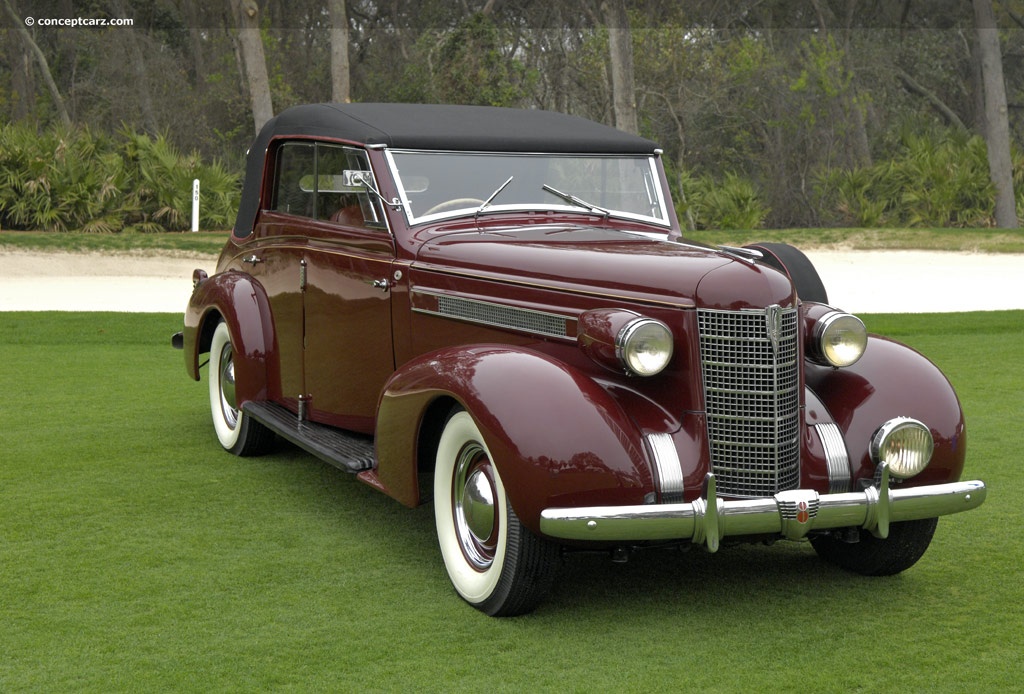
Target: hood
column 608, row 262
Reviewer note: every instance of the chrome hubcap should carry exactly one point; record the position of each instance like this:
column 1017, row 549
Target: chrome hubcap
column 226, row 373
column 475, row 510
column 478, row 505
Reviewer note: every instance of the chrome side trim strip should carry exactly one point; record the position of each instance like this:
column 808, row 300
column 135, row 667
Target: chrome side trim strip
column 495, row 314
column 669, row 469
column 837, row 459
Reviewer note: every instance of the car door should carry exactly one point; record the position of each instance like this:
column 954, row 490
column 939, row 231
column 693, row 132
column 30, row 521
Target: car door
column 274, row 258
column 348, row 261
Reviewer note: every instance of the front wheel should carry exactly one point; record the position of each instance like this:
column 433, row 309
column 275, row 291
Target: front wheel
column 495, row 564
column 871, row 556
column 236, row 431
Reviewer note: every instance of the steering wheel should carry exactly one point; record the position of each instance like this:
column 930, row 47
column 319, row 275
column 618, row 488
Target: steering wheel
column 453, row 204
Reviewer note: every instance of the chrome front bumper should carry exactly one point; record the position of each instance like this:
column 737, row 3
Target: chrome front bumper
column 791, row 514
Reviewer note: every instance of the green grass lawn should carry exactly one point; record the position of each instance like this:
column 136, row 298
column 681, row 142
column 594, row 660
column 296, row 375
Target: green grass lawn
column 135, row 555
column 198, row 243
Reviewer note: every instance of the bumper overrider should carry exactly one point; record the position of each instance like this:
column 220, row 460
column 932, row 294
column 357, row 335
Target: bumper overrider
column 790, row 514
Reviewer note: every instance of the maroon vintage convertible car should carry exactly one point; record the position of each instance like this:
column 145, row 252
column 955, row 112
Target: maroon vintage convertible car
column 495, row 310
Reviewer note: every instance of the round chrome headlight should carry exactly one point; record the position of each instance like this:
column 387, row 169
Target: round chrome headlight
column 840, row 339
column 905, row 444
column 644, row 346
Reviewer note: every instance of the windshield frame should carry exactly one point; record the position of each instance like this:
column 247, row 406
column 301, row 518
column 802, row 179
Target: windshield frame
column 555, row 205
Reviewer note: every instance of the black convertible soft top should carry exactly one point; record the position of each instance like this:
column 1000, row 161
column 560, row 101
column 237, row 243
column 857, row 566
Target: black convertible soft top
column 433, row 126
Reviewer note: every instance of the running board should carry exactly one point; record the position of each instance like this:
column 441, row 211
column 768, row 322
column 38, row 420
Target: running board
column 345, row 450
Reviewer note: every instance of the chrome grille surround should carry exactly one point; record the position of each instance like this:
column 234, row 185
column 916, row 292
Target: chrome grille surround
column 750, row 365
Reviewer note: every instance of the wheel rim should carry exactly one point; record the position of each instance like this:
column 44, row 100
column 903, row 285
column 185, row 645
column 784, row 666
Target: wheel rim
column 474, row 509
column 226, row 385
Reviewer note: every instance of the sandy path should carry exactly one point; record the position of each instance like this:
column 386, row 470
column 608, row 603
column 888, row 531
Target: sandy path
column 858, row 281
column 921, row 281
column 92, row 282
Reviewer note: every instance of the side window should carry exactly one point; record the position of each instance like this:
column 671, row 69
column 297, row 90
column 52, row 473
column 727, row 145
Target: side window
column 295, row 166
column 315, row 180
column 373, row 213
column 334, row 201
column 339, row 199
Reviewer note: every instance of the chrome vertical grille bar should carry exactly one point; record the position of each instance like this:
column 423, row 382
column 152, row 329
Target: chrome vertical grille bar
column 666, row 462
column 836, row 457
column 750, row 367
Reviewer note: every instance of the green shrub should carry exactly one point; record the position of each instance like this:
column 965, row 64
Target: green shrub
column 161, row 195
column 938, row 179
column 732, row 203
column 68, row 179
column 62, row 179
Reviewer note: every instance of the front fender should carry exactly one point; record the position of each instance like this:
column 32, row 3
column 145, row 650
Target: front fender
column 556, row 436
column 241, row 302
column 893, row 380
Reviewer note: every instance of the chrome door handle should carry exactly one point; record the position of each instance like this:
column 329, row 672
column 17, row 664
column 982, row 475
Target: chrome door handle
column 252, row 259
column 381, row 284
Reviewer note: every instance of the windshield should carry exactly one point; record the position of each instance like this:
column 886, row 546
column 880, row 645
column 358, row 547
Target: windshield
column 435, row 185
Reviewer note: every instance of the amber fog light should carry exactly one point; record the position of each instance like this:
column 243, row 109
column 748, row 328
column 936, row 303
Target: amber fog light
column 839, row 339
column 644, row 346
column 905, row 444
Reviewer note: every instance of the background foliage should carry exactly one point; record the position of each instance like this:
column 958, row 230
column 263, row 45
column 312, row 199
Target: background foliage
column 75, row 178
column 774, row 113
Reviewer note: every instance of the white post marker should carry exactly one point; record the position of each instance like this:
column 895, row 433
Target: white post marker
column 195, row 205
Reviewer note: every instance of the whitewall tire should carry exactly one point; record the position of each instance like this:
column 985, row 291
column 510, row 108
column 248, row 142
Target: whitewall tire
column 236, row 431
column 494, row 563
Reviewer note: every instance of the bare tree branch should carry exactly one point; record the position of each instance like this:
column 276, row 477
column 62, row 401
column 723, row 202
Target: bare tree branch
column 916, row 87
column 19, row 26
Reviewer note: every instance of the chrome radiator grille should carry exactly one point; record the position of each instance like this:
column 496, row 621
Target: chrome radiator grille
column 750, row 366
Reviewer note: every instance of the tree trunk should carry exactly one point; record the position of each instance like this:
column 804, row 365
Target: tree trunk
column 620, row 49
column 251, row 44
column 22, row 84
column 138, row 72
column 861, row 148
column 997, row 125
column 340, row 80
column 195, row 35
column 19, row 26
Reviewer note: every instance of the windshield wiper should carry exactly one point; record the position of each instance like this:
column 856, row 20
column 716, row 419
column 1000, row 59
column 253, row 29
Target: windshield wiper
column 488, row 201
column 579, row 202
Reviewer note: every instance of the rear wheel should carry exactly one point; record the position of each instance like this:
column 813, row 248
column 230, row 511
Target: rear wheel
column 871, row 556
column 494, row 563
column 236, row 431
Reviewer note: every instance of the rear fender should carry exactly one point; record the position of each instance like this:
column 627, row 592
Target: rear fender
column 556, row 437
column 892, row 380
column 241, row 302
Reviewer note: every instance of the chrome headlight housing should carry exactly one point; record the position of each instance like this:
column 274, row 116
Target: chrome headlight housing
column 622, row 340
column 905, row 444
column 644, row 346
column 838, row 339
